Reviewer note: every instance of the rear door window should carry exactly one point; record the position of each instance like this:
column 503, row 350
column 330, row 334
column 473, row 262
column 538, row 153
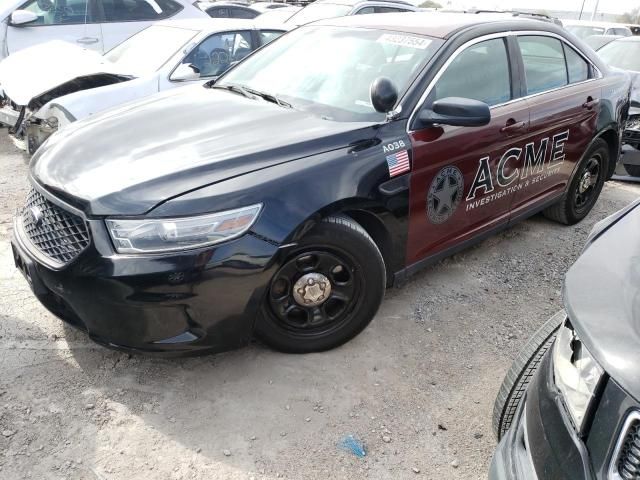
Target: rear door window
column 242, row 13
column 544, row 63
column 391, row 10
column 481, row 72
column 365, row 11
column 218, row 12
column 138, row 10
column 577, row 66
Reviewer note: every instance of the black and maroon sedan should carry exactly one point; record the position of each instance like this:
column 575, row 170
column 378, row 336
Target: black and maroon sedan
column 281, row 199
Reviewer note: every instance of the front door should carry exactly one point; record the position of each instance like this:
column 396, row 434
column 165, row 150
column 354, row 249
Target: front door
column 72, row 21
column 462, row 178
column 564, row 103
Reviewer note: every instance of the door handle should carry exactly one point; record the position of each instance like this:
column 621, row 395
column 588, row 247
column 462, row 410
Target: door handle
column 590, row 103
column 513, row 127
column 87, row 40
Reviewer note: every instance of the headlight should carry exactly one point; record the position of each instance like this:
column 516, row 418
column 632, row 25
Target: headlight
column 170, row 234
column 577, row 374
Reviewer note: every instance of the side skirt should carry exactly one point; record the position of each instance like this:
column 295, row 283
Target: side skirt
column 401, row 277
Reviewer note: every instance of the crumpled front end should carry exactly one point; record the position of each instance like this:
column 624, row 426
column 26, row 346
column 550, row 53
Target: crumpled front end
column 31, row 124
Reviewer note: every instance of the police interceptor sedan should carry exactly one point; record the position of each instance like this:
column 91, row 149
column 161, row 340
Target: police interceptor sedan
column 283, row 198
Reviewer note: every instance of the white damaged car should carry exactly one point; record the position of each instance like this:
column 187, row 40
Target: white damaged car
column 82, row 82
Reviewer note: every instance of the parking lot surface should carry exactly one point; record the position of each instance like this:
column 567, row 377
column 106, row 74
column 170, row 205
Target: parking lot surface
column 417, row 387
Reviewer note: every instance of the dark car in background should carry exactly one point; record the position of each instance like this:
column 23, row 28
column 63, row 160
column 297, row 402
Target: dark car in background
column 569, row 407
column 281, row 199
column 624, row 54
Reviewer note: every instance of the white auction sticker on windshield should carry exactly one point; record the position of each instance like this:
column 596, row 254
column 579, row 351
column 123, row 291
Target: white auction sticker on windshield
column 404, row 40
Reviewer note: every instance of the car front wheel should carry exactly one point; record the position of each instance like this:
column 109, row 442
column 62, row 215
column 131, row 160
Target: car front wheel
column 326, row 292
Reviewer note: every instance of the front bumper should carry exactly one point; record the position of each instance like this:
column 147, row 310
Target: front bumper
column 541, row 443
column 203, row 300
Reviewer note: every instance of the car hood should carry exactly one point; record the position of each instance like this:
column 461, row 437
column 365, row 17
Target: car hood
column 33, row 72
column 602, row 298
column 132, row 158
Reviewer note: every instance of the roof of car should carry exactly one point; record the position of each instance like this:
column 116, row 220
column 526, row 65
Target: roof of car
column 219, row 24
column 433, row 24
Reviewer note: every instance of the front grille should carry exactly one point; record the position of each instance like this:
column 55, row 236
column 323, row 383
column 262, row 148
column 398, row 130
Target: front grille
column 628, row 461
column 58, row 234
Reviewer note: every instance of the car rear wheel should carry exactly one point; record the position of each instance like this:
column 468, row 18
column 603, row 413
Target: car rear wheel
column 633, row 170
column 521, row 372
column 585, row 186
column 326, row 292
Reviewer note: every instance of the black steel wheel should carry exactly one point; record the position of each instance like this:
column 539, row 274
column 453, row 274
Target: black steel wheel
column 585, row 186
column 326, row 292
column 587, row 182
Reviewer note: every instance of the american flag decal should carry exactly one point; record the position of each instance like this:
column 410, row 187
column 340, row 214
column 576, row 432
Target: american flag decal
column 398, row 163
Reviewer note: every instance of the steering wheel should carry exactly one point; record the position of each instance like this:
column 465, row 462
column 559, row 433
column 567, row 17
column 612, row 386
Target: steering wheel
column 219, row 56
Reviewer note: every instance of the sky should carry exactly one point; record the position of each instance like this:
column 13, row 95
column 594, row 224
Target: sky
column 606, row 6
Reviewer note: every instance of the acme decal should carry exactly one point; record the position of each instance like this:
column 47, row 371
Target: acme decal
column 532, row 171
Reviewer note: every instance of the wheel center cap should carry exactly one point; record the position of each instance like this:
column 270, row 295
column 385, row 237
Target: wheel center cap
column 585, row 182
column 311, row 289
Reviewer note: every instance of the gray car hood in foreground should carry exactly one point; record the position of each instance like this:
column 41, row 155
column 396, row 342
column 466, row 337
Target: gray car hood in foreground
column 602, row 298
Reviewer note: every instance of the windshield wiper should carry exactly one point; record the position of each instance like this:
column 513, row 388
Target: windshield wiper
column 235, row 88
column 269, row 97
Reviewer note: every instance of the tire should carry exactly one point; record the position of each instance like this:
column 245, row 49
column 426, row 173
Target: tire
column 337, row 250
column 633, row 170
column 519, row 376
column 569, row 210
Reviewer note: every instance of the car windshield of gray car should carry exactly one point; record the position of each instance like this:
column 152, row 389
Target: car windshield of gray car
column 328, row 71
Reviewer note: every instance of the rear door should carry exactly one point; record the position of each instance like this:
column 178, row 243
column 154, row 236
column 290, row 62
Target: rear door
column 121, row 19
column 564, row 100
column 72, row 21
column 462, row 180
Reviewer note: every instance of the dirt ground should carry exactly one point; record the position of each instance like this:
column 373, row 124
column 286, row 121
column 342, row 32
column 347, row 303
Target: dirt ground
column 417, row 387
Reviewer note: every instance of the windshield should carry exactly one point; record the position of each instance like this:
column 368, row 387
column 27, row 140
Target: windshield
column 329, row 70
column 583, row 31
column 621, row 54
column 319, row 11
column 148, row 50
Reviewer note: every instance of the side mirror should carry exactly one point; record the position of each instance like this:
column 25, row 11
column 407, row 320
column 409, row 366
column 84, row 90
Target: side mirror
column 22, row 17
column 384, row 94
column 185, row 72
column 456, row 111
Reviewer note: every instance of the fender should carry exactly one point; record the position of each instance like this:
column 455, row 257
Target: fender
column 354, row 178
